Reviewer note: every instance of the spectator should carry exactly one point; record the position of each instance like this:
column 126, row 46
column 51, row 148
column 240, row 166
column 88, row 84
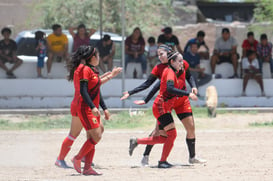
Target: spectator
column 193, row 58
column 57, row 44
column 152, row 52
column 41, row 51
column 134, row 50
column 264, row 50
column 8, row 49
column 251, row 70
column 249, row 44
column 106, row 49
column 199, row 40
column 169, row 39
column 225, row 51
column 81, row 37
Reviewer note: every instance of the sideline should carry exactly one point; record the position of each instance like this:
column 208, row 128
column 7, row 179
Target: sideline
column 114, row 110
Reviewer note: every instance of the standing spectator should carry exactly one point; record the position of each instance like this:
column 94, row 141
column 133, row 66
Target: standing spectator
column 41, row 51
column 8, row 49
column 225, row 50
column 81, row 37
column 264, row 50
column 169, row 39
column 199, row 40
column 251, row 70
column 107, row 50
column 134, row 50
column 152, row 52
column 57, row 44
column 193, row 58
column 249, row 44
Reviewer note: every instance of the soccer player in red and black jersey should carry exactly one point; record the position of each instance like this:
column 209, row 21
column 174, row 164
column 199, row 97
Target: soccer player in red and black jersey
column 162, row 108
column 76, row 66
column 183, row 111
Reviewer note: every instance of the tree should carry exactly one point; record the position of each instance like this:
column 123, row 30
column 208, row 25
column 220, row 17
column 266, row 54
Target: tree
column 146, row 14
column 264, row 11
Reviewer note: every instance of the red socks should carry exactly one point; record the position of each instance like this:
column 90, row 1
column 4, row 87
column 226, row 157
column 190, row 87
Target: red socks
column 168, row 144
column 67, row 143
column 151, row 140
column 86, row 148
column 89, row 159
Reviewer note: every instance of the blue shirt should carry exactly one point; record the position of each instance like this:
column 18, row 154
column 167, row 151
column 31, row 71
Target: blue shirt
column 193, row 40
column 192, row 59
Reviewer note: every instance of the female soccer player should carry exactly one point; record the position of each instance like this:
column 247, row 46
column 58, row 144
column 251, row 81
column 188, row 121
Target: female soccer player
column 76, row 66
column 162, row 108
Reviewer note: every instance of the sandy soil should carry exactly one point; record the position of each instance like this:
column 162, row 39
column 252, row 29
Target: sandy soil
column 234, row 151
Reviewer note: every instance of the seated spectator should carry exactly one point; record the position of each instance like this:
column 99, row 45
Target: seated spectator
column 199, row 40
column 152, row 52
column 134, row 50
column 249, row 44
column 107, row 50
column 225, row 51
column 193, row 58
column 8, row 49
column 81, row 37
column 41, row 51
column 264, row 50
column 57, row 44
column 169, row 39
column 251, row 70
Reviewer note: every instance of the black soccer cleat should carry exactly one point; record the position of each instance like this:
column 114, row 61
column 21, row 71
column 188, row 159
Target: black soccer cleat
column 133, row 145
column 164, row 164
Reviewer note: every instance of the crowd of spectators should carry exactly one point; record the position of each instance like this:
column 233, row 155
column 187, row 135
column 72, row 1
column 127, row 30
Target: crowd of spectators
column 55, row 47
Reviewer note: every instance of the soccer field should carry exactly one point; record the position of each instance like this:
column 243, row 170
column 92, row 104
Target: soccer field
column 234, row 150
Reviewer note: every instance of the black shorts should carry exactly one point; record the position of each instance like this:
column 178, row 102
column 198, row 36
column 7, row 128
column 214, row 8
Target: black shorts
column 4, row 60
column 227, row 59
column 165, row 120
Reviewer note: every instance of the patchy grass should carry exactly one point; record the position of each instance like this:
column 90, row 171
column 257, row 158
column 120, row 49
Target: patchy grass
column 261, row 124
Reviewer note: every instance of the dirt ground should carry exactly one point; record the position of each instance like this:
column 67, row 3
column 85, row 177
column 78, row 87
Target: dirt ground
column 234, row 151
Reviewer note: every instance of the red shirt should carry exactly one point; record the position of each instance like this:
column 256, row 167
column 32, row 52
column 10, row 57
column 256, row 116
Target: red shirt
column 134, row 47
column 247, row 46
column 158, row 70
column 91, row 75
column 182, row 76
column 76, row 79
column 167, row 75
column 77, row 41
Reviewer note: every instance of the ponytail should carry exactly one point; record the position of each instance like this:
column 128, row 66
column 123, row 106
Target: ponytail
column 82, row 53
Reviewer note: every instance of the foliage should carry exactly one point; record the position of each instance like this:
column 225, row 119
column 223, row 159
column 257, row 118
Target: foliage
column 263, row 124
column 145, row 14
column 264, row 11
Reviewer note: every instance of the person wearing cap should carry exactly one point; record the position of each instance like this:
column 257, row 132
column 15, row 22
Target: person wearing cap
column 225, row 50
column 199, row 40
column 8, row 49
column 106, row 48
column 169, row 39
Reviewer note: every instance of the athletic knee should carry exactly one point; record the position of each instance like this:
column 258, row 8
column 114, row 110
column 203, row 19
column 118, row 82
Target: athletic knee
column 172, row 134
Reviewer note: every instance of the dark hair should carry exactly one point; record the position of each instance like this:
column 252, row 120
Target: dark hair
column 250, row 52
column 83, row 52
column 263, row 37
column 167, row 30
column 55, row 27
column 200, row 33
column 6, row 29
column 166, row 48
column 193, row 43
column 106, row 37
column 172, row 56
column 151, row 39
column 39, row 35
column 250, row 34
column 81, row 26
column 141, row 36
column 225, row 30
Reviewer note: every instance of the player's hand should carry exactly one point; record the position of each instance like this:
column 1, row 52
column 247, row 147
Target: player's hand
column 96, row 112
column 139, row 102
column 116, row 71
column 106, row 114
column 125, row 95
column 193, row 96
column 194, row 90
column 105, row 74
